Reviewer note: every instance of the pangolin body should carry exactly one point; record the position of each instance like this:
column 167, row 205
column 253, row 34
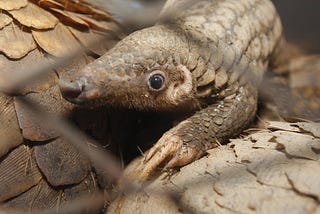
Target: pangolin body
column 209, row 60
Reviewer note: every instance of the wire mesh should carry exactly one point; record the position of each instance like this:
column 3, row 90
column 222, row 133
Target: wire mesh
column 131, row 15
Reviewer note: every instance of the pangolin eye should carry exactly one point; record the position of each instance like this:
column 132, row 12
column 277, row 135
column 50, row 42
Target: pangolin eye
column 156, row 81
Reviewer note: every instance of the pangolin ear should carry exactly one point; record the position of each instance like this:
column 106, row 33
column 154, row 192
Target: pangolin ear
column 179, row 92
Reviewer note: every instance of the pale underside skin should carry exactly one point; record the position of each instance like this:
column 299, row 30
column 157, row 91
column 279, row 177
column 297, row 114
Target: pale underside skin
column 212, row 57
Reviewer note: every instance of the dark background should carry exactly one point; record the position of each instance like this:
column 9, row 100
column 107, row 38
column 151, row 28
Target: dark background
column 301, row 22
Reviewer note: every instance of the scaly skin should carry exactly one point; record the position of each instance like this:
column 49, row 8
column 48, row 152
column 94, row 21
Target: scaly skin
column 212, row 58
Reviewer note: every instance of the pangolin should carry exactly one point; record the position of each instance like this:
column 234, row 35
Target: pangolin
column 207, row 62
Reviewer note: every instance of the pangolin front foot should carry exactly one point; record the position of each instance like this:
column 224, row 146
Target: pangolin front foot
column 169, row 152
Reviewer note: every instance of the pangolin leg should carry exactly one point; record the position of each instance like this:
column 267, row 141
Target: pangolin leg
column 191, row 138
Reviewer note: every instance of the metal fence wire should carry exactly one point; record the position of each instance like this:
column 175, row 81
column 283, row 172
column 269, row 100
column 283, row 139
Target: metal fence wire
column 57, row 157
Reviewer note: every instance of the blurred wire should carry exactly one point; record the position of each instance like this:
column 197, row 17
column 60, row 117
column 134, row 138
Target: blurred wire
column 13, row 84
column 137, row 14
column 133, row 14
column 85, row 204
column 99, row 157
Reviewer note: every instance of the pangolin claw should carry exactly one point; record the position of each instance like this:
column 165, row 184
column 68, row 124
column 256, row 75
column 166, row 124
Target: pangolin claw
column 167, row 153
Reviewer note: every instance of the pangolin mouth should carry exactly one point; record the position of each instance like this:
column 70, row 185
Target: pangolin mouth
column 79, row 91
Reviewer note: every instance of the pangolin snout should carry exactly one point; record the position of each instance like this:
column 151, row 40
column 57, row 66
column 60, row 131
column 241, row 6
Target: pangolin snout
column 79, row 91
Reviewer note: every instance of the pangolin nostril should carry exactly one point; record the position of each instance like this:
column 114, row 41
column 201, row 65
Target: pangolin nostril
column 70, row 90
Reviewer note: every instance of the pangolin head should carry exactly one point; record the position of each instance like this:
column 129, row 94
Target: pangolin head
column 146, row 70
